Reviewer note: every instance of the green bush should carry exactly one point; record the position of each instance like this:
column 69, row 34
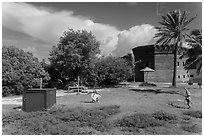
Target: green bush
column 111, row 70
column 20, row 70
column 59, row 120
column 135, row 122
column 196, row 114
column 161, row 115
column 95, row 118
column 192, row 128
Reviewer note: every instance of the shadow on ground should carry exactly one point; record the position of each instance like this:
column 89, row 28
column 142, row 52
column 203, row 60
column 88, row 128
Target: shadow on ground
column 177, row 106
column 87, row 101
column 156, row 91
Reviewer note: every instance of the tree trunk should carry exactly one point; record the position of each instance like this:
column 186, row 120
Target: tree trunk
column 175, row 65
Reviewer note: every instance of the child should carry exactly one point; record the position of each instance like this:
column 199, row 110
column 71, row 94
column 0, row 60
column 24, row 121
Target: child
column 188, row 98
column 95, row 96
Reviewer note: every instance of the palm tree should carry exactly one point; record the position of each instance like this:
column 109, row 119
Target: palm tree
column 194, row 53
column 172, row 33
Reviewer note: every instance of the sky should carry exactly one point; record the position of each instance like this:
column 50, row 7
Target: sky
column 118, row 26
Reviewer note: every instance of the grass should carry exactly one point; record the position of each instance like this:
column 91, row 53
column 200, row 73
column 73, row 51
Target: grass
column 120, row 111
column 135, row 122
column 161, row 115
column 195, row 114
column 192, row 128
column 60, row 120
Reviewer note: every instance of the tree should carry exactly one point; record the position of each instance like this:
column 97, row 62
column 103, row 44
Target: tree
column 194, row 53
column 172, row 33
column 72, row 55
column 20, row 70
column 112, row 70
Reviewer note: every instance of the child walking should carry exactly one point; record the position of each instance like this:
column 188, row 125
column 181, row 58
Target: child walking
column 188, row 98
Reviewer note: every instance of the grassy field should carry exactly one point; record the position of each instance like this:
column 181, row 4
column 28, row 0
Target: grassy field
column 120, row 111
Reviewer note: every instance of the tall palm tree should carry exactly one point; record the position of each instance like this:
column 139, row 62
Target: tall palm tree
column 194, row 53
column 172, row 33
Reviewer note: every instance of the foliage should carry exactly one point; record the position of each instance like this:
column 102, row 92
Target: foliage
column 73, row 54
column 171, row 34
column 112, row 70
column 60, row 121
column 20, row 70
column 134, row 122
column 192, row 128
column 194, row 53
column 196, row 114
column 161, row 115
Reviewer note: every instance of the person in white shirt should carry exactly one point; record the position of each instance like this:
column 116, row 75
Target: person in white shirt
column 95, row 96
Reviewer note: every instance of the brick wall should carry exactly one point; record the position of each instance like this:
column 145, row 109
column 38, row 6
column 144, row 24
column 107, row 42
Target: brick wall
column 162, row 63
column 163, row 69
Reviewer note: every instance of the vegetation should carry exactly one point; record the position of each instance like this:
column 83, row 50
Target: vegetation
column 161, row 115
column 78, row 121
column 196, row 114
column 74, row 53
column 134, row 122
column 171, row 34
column 194, row 53
column 112, row 70
column 20, row 70
column 192, row 128
column 60, row 120
column 133, row 114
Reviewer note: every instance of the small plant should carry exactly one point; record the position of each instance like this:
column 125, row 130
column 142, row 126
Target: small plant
column 135, row 122
column 196, row 114
column 60, row 120
column 160, row 115
column 192, row 128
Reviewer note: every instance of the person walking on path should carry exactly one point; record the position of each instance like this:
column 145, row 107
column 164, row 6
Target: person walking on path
column 188, row 98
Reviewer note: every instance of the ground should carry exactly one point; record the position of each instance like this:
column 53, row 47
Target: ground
column 170, row 100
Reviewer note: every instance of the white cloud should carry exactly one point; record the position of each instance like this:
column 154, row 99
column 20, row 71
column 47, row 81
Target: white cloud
column 135, row 36
column 48, row 25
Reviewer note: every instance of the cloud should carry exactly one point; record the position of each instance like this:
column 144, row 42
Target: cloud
column 136, row 36
column 47, row 25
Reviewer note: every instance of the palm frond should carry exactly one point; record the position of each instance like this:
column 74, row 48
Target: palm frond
column 186, row 22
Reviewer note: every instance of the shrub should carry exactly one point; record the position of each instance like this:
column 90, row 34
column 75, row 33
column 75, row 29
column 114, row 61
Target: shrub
column 196, row 114
column 136, row 121
column 112, row 70
column 192, row 128
column 160, row 115
column 20, row 70
column 59, row 120
column 95, row 118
